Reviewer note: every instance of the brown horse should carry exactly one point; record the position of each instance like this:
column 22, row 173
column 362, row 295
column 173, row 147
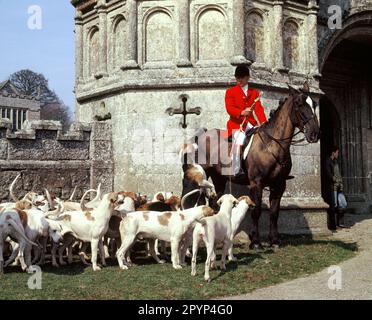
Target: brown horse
column 268, row 163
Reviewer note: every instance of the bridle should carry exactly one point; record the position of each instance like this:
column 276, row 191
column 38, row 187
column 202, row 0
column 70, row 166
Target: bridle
column 301, row 122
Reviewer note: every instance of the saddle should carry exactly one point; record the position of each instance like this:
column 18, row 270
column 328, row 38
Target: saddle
column 241, row 176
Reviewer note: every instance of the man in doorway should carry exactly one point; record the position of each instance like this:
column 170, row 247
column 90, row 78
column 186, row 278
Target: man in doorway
column 244, row 107
column 335, row 187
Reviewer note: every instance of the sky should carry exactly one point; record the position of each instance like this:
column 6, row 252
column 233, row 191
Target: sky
column 49, row 50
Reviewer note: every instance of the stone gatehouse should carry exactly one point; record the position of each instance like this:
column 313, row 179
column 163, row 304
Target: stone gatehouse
column 135, row 59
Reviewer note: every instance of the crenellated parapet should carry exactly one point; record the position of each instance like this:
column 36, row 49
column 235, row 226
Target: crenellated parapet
column 48, row 157
column 78, row 131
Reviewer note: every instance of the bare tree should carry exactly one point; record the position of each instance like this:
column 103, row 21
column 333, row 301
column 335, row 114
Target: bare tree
column 35, row 84
column 56, row 111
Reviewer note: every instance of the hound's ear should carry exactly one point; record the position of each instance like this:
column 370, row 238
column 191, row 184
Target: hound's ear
column 306, row 87
column 292, row 91
column 160, row 197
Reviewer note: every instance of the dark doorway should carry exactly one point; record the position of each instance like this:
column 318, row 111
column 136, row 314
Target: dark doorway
column 330, row 126
column 345, row 112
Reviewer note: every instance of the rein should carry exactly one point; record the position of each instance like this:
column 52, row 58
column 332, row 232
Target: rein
column 282, row 140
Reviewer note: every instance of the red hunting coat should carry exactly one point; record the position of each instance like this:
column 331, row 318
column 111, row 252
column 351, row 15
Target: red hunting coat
column 236, row 101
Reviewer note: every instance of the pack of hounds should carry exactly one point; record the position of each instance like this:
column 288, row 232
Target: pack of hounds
column 41, row 226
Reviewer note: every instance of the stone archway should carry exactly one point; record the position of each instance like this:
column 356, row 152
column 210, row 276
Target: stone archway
column 346, row 67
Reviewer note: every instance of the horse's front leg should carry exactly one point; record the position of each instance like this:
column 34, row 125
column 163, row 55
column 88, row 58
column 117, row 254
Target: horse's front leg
column 276, row 194
column 256, row 196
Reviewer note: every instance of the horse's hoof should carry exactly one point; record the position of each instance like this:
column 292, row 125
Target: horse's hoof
column 162, row 261
column 178, row 267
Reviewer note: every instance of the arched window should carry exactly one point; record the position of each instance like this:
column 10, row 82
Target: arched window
column 94, row 51
column 290, row 45
column 159, row 37
column 119, row 41
column 255, row 37
column 212, row 35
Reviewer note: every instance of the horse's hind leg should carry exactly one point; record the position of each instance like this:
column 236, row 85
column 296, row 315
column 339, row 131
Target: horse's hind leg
column 276, row 194
column 256, row 196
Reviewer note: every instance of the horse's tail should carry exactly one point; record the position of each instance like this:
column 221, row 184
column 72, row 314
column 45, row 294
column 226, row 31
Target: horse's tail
column 189, row 149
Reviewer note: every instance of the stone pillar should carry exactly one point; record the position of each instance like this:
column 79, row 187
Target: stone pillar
column 132, row 54
column 312, row 31
column 102, row 14
column 79, row 53
column 184, row 33
column 277, row 34
column 238, row 33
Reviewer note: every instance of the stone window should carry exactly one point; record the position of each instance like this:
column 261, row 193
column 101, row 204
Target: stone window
column 212, row 32
column 159, row 37
column 290, row 45
column 255, row 37
column 119, row 41
column 15, row 115
column 94, row 51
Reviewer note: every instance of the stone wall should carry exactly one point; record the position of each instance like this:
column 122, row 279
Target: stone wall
column 48, row 158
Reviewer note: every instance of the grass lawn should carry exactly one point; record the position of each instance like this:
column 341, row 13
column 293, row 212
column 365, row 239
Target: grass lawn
column 299, row 256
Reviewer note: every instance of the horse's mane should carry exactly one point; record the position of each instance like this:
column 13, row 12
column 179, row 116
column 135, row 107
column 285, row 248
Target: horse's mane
column 274, row 114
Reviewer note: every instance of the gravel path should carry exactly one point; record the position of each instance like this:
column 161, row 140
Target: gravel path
column 356, row 273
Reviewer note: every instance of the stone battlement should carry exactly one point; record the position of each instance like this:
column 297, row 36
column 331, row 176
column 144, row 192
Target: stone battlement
column 47, row 157
column 78, row 131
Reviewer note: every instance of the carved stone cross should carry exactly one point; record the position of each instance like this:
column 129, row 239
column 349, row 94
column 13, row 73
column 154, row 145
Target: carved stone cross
column 183, row 110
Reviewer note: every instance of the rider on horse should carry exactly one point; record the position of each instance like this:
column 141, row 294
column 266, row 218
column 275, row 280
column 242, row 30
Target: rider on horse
column 245, row 110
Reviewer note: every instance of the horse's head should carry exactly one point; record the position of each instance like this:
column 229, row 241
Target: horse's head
column 303, row 115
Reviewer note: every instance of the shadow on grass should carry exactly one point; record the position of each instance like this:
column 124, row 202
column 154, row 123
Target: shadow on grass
column 241, row 253
column 244, row 258
column 308, row 240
